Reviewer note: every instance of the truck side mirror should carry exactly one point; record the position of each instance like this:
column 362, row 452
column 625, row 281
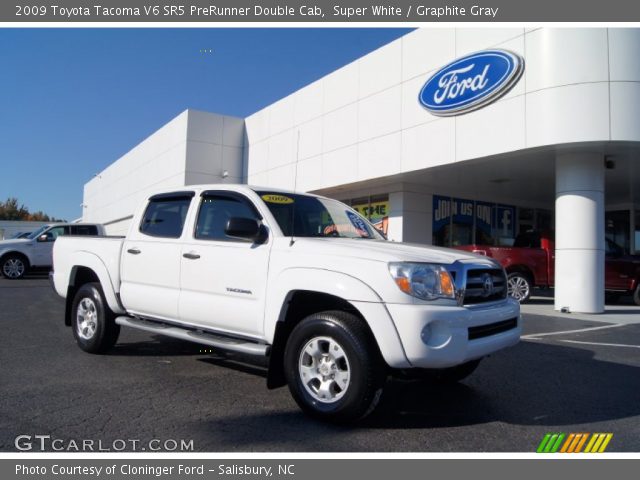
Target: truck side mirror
column 245, row 228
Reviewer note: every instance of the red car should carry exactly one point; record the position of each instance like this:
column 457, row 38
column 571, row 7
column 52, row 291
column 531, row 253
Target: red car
column 531, row 261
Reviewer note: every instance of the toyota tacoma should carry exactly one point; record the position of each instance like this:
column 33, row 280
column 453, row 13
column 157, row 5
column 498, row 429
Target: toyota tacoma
column 302, row 280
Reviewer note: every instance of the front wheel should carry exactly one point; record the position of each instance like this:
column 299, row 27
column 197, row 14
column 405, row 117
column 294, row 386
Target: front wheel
column 14, row 266
column 519, row 286
column 333, row 368
column 93, row 322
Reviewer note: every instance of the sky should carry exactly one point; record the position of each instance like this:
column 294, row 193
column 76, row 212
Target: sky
column 72, row 101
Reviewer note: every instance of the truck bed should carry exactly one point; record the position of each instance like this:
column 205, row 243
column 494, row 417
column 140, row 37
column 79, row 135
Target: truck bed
column 71, row 251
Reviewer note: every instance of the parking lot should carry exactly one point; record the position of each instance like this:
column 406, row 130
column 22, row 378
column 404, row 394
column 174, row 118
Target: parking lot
column 586, row 379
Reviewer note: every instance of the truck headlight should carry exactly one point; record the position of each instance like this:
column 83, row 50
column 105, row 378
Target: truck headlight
column 427, row 281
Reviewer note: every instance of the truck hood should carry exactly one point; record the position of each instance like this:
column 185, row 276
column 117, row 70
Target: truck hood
column 387, row 251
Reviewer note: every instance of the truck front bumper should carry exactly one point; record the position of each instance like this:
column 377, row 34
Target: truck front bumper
column 440, row 336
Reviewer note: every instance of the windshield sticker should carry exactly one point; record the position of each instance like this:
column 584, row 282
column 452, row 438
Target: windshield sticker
column 279, row 199
column 357, row 222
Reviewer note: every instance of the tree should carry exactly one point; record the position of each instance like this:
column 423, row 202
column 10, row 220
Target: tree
column 9, row 210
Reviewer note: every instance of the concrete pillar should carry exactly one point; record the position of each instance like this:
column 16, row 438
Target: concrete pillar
column 396, row 206
column 410, row 217
column 579, row 263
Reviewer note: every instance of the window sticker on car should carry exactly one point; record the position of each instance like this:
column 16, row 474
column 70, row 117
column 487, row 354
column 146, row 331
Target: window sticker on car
column 280, row 199
column 356, row 221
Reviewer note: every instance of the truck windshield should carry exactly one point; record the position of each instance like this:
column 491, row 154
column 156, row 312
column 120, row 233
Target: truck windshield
column 306, row 216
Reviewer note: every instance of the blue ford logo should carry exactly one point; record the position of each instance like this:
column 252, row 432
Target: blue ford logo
column 471, row 82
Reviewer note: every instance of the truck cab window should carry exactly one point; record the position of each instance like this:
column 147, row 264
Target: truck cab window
column 165, row 217
column 84, row 230
column 215, row 212
column 529, row 239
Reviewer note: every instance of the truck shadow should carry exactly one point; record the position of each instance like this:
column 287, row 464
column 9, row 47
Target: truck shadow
column 157, row 346
column 160, row 345
column 237, row 362
column 533, row 384
column 543, row 384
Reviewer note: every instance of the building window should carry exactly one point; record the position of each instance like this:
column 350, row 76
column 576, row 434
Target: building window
column 617, row 228
column 374, row 208
column 458, row 222
column 636, row 242
column 530, row 219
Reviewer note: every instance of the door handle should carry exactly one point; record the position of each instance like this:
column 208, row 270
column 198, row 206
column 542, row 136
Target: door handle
column 134, row 251
column 191, row 256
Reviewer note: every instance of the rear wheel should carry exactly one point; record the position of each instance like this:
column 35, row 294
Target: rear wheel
column 93, row 322
column 519, row 286
column 333, row 367
column 636, row 294
column 14, row 266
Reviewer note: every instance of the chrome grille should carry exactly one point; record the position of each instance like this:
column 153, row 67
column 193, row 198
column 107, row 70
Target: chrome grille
column 484, row 285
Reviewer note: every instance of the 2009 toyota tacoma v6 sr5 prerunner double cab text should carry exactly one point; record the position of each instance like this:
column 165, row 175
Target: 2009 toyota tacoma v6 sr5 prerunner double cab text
column 301, row 279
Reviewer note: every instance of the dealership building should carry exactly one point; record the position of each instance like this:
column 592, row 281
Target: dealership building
column 554, row 146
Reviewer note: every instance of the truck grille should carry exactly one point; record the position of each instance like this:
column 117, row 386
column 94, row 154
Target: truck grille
column 485, row 285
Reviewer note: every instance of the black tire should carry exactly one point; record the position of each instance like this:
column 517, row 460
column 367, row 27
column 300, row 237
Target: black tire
column 519, row 286
column 92, row 321
column 14, row 266
column 349, row 348
column 452, row 374
column 636, row 294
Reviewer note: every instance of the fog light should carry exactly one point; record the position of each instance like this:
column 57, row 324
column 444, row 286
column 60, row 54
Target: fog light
column 425, row 335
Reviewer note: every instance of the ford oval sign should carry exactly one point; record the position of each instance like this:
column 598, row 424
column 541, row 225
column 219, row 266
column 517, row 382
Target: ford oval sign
column 471, row 82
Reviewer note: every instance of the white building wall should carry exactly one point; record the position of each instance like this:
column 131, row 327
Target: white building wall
column 410, row 216
column 214, row 149
column 158, row 161
column 195, row 147
column 364, row 120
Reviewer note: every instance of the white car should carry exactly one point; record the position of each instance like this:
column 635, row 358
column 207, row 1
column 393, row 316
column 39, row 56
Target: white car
column 303, row 280
column 18, row 255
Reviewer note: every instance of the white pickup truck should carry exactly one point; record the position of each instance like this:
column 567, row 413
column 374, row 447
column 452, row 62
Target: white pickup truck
column 301, row 279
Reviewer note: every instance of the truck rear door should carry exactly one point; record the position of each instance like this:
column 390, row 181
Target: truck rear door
column 150, row 265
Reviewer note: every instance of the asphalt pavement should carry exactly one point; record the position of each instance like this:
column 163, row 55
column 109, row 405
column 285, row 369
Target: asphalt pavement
column 151, row 392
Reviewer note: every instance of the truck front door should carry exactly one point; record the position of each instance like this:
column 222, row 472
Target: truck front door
column 223, row 279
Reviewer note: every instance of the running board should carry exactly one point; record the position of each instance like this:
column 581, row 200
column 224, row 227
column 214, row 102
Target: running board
column 213, row 340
